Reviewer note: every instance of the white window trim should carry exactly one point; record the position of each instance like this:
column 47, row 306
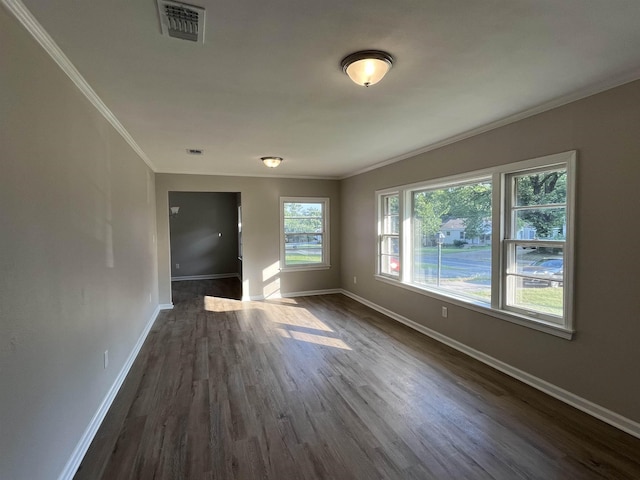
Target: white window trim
column 326, row 264
column 380, row 230
column 498, row 176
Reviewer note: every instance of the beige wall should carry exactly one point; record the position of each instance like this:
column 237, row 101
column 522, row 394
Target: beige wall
column 80, row 272
column 601, row 363
column 260, row 230
column 77, row 258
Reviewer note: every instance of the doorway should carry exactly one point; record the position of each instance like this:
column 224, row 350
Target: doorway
column 205, row 242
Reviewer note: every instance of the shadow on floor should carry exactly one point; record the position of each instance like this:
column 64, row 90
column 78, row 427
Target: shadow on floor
column 184, row 290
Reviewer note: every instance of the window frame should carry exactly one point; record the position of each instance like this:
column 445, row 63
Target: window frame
column 382, row 234
column 511, row 242
column 326, row 262
column 408, row 242
column 499, row 176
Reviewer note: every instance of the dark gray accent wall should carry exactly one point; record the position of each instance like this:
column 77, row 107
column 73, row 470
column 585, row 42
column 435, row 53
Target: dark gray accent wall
column 204, row 234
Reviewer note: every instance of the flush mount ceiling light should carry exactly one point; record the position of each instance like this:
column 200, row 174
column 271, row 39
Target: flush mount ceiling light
column 367, row 67
column 271, row 162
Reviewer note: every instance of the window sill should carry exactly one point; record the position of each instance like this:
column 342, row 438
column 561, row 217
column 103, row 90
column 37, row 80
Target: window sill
column 302, row 268
column 522, row 320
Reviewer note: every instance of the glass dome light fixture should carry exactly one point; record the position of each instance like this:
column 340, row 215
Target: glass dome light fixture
column 367, row 67
column 271, row 162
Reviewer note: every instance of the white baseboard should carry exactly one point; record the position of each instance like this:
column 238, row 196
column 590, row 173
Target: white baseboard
column 205, row 277
column 612, row 418
column 309, row 293
column 79, row 452
column 597, row 411
column 249, row 298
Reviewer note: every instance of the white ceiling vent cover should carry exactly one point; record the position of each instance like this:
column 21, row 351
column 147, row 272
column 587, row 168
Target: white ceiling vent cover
column 179, row 20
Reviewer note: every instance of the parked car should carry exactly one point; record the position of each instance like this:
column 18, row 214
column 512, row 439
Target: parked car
column 395, row 265
column 548, row 272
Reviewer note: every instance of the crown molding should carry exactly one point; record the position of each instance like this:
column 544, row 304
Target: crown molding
column 24, row 16
column 250, row 175
column 599, row 87
column 37, row 31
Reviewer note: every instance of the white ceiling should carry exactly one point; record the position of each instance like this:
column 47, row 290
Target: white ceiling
column 267, row 80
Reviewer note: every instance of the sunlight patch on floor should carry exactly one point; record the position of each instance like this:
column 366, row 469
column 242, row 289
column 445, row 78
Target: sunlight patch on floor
column 311, row 338
column 215, row 304
column 305, row 322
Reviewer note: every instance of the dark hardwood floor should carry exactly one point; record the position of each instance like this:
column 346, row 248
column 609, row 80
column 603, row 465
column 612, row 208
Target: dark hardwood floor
column 325, row 388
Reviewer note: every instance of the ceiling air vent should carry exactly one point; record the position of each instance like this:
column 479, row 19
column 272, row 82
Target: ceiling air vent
column 179, row 20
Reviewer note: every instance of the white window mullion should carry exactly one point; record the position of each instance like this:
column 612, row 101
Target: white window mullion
column 497, row 234
column 406, row 242
column 569, row 253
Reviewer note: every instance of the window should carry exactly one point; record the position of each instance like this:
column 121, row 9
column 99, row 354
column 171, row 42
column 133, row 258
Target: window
column 499, row 241
column 537, row 201
column 439, row 261
column 389, row 238
column 304, row 233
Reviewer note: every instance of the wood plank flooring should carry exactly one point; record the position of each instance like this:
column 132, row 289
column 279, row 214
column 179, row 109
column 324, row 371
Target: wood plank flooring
column 325, row 388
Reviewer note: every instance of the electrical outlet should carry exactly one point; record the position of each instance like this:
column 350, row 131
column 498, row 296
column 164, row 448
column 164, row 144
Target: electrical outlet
column 106, row 358
column 445, row 312
column 177, row 266
column 355, row 279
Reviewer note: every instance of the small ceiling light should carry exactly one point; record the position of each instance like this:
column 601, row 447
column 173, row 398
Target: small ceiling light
column 271, row 162
column 173, row 211
column 367, row 67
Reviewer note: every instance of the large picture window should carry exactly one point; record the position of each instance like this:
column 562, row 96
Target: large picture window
column 451, row 238
column 498, row 240
column 304, row 233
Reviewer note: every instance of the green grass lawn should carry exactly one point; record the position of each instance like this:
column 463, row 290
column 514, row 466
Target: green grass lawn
column 545, row 300
column 299, row 258
column 304, row 253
